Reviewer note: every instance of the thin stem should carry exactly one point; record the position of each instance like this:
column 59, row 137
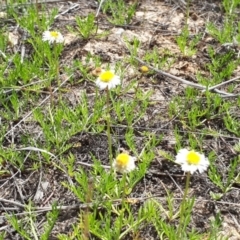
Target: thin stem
column 188, row 6
column 124, row 187
column 183, row 207
column 137, row 87
column 57, row 50
column 186, row 186
column 56, row 60
column 124, row 180
column 37, row 12
column 108, row 127
column 86, row 231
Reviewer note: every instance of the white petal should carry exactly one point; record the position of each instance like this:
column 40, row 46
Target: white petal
column 181, row 159
column 181, row 156
column 111, row 84
column 100, row 84
column 125, row 169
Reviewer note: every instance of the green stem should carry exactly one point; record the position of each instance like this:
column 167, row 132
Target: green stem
column 108, row 128
column 187, row 9
column 56, row 59
column 124, row 180
column 183, row 207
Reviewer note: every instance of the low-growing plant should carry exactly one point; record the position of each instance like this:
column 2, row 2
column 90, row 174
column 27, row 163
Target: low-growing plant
column 86, row 26
column 120, row 11
column 187, row 44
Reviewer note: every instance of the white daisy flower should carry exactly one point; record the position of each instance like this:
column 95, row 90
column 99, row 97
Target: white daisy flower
column 192, row 161
column 107, row 79
column 52, row 36
column 124, row 163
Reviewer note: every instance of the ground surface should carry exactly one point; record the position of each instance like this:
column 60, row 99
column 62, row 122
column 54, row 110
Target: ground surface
column 155, row 24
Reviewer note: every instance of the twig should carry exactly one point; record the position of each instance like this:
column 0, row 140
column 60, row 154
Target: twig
column 48, row 198
column 12, row 202
column 14, row 179
column 100, row 5
column 36, row 196
column 199, row 86
column 174, row 182
column 24, row 87
column 3, row 7
column 23, row 48
column 69, row 9
column 115, row 201
column 49, row 153
column 92, row 165
column 3, row 54
column 223, row 83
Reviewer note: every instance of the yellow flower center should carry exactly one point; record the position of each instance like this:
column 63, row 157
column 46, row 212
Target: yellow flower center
column 193, row 158
column 144, row 69
column 54, row 34
column 122, row 160
column 106, row 76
